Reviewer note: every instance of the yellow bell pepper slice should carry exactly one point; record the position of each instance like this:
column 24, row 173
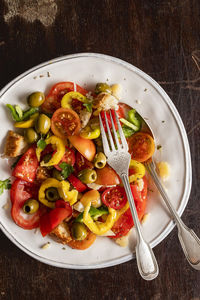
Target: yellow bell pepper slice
column 28, row 123
column 68, row 196
column 89, row 133
column 67, row 99
column 59, row 145
column 139, row 170
column 95, row 226
column 63, row 190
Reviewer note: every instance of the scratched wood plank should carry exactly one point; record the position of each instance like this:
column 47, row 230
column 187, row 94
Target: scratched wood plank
column 161, row 38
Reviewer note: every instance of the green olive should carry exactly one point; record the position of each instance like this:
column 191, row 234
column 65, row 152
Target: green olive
column 51, row 194
column 30, row 135
column 36, row 99
column 102, row 87
column 79, row 231
column 57, row 174
column 99, row 160
column 31, row 206
column 43, row 124
column 87, row 176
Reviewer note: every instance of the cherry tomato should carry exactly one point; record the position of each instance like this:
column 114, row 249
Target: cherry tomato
column 19, row 193
column 69, row 158
column 107, row 176
column 77, row 105
column 26, row 167
column 123, row 225
column 54, row 217
column 53, row 99
column 141, row 146
column 82, row 163
column 114, row 197
column 84, row 244
column 65, row 122
column 109, row 120
column 79, row 186
column 85, row 146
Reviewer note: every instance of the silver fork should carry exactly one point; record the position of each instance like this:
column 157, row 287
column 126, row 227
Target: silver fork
column 119, row 158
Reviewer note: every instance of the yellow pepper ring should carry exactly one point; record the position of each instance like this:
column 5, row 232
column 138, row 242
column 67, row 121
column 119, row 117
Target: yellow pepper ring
column 67, row 99
column 63, row 190
column 57, row 144
column 27, row 124
column 89, row 133
column 139, row 170
column 96, row 227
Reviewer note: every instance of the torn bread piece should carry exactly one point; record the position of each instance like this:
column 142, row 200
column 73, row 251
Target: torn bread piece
column 84, row 116
column 15, row 144
column 105, row 101
column 62, row 233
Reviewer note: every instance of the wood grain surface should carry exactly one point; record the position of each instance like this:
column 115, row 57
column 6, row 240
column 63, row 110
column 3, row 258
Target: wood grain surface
column 163, row 39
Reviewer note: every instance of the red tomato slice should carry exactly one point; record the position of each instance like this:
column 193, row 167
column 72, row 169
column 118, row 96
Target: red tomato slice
column 65, row 122
column 141, row 146
column 125, row 222
column 107, row 176
column 82, row 162
column 123, row 110
column 26, row 167
column 53, row 218
column 53, row 99
column 19, row 193
column 114, row 197
column 109, row 120
column 79, row 186
column 69, row 158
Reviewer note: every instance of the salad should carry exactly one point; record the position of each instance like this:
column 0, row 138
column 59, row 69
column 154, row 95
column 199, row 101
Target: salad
column 62, row 182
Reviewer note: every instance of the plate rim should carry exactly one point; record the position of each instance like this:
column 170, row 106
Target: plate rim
column 169, row 227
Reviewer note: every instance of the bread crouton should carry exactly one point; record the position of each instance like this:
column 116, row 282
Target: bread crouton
column 15, row 144
column 105, row 101
column 84, row 116
column 62, row 233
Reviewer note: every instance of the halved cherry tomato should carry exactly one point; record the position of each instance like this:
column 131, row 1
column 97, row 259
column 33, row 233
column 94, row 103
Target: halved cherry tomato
column 82, row 162
column 19, row 193
column 84, row 244
column 79, row 186
column 53, row 99
column 54, row 217
column 107, row 176
column 27, row 166
column 69, row 158
column 114, row 197
column 77, row 105
column 65, row 122
column 109, row 120
column 141, row 146
column 125, row 221
column 85, row 146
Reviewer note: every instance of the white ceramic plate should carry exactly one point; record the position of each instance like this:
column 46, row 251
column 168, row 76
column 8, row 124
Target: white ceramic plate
column 139, row 91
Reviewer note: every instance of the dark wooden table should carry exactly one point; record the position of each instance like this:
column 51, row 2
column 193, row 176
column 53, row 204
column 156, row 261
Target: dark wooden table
column 163, row 39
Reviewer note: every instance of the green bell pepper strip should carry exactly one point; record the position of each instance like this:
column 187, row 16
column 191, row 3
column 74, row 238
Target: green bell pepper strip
column 95, row 213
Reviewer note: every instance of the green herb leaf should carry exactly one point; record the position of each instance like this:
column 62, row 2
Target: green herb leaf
column 18, row 114
column 4, row 185
column 41, row 144
column 88, row 106
column 67, row 169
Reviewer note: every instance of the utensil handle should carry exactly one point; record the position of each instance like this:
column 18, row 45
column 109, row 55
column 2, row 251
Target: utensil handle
column 146, row 261
column 190, row 243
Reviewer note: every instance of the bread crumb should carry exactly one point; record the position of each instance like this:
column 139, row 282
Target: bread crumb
column 163, row 170
column 46, row 246
column 144, row 218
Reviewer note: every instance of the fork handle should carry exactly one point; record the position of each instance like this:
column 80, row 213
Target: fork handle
column 189, row 241
column 146, row 261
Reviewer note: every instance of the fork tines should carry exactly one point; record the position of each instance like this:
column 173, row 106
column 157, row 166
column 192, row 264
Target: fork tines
column 113, row 144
